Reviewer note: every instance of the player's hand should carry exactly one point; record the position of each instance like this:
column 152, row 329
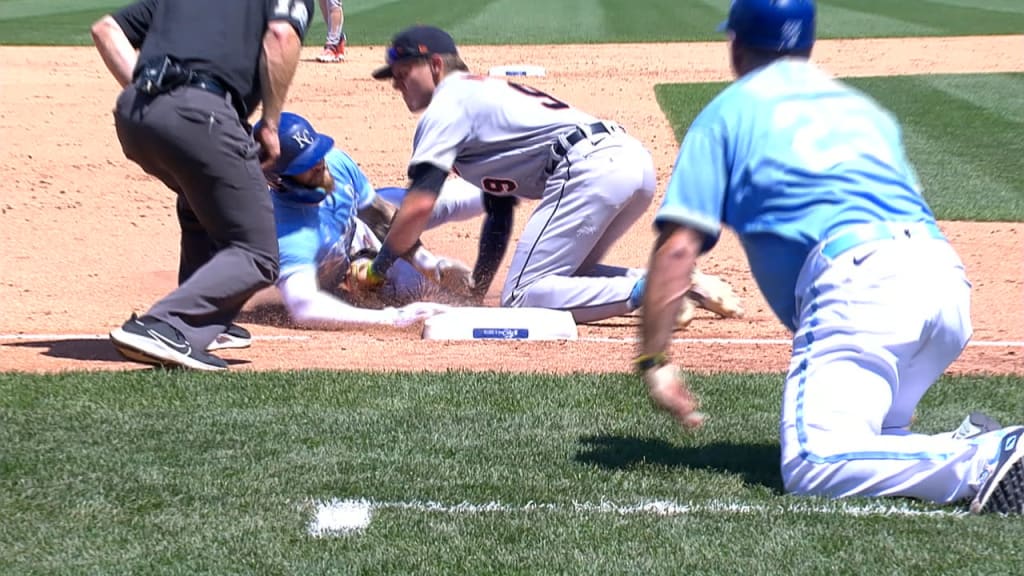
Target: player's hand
column 270, row 145
column 455, row 277
column 716, row 295
column 417, row 312
column 669, row 392
column 361, row 276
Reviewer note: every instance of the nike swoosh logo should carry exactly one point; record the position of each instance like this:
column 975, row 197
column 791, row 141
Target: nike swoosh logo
column 859, row 261
column 185, row 348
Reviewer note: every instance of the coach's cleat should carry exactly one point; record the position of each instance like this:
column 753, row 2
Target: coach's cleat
column 975, row 424
column 1002, row 482
column 234, row 337
column 153, row 341
column 332, row 53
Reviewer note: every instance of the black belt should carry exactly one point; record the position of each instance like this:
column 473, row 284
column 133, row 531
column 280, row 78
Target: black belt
column 578, row 135
column 204, row 82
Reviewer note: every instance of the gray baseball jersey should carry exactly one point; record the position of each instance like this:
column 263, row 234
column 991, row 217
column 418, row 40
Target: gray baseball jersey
column 510, row 139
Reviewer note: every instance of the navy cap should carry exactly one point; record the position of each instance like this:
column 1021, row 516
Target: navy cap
column 415, row 42
column 774, row 25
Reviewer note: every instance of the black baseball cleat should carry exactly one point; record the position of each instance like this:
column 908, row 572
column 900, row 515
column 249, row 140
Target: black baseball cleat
column 976, row 424
column 1002, row 485
column 156, row 342
column 234, row 337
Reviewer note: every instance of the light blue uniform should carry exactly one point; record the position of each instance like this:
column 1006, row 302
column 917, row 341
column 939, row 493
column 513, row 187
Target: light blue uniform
column 769, row 158
column 812, row 176
column 320, row 235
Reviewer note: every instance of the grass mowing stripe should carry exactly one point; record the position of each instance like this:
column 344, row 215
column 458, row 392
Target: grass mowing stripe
column 663, row 20
column 63, row 22
column 1003, row 5
column 71, row 27
column 523, row 23
column 942, row 17
column 838, row 22
column 377, row 25
column 961, row 149
column 960, row 131
column 16, row 9
column 987, row 91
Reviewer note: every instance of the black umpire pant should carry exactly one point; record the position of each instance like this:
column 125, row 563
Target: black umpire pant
column 195, row 143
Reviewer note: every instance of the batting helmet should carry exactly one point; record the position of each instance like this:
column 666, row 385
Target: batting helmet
column 773, row 25
column 301, row 146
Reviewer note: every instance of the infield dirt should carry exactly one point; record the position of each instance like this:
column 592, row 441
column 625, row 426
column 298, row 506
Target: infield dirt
column 88, row 238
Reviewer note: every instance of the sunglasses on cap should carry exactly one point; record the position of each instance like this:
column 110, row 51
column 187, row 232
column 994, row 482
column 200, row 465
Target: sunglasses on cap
column 397, row 53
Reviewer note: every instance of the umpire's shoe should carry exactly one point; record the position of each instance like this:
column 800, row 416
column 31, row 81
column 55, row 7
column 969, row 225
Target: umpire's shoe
column 1002, row 484
column 234, row 337
column 153, row 341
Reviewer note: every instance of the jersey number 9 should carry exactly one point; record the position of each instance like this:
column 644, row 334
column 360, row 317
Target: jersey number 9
column 547, row 100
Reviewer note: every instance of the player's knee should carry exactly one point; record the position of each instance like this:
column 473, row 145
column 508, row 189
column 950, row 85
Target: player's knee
column 803, row 477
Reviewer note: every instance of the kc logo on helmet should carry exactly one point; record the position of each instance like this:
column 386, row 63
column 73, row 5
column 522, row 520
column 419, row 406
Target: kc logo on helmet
column 303, row 139
column 791, row 32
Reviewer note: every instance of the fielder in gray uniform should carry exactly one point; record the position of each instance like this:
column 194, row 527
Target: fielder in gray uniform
column 592, row 180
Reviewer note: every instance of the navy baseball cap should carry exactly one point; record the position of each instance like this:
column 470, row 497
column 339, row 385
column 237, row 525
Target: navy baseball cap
column 415, row 42
column 774, row 25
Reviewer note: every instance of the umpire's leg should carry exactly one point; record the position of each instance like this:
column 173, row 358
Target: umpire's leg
column 223, row 191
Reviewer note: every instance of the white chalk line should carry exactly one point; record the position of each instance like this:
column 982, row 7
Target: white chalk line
column 350, row 515
column 726, row 341
column 777, row 342
column 31, row 337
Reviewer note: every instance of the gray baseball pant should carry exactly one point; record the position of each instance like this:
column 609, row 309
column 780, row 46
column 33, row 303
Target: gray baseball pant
column 195, row 143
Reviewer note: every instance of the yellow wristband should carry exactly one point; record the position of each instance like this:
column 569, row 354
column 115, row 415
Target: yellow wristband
column 645, row 362
column 373, row 276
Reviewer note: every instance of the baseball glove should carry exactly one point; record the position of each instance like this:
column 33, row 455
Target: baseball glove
column 714, row 294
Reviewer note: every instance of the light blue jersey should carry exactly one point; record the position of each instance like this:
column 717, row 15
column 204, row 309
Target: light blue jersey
column 315, row 235
column 787, row 156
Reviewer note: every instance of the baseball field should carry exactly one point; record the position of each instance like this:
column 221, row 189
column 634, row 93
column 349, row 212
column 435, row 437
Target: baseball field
column 378, row 452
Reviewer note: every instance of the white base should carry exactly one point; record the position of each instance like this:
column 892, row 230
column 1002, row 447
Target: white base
column 486, row 323
column 517, row 70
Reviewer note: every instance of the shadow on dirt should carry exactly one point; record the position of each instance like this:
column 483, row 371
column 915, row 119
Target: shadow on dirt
column 74, row 349
column 91, row 349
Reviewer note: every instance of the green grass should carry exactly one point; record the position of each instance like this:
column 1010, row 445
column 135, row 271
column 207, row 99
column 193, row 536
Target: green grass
column 372, row 22
column 156, row 472
column 962, row 133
